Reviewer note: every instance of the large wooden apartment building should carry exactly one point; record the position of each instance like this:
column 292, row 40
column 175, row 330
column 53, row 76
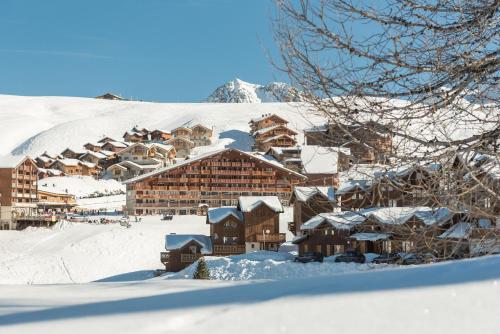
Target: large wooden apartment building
column 215, row 179
column 18, row 191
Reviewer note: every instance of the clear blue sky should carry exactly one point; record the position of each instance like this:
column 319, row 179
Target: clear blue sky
column 156, row 50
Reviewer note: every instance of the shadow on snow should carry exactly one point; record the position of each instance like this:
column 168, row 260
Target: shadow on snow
column 448, row 273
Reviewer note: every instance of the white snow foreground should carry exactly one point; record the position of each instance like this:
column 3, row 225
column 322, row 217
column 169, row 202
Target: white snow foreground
column 453, row 297
column 81, row 252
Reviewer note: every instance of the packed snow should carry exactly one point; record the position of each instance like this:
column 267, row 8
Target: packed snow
column 270, row 265
column 81, row 252
column 451, row 297
column 81, row 186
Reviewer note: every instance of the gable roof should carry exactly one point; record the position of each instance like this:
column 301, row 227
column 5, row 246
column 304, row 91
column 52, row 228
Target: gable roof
column 278, row 137
column 270, row 128
column 303, row 194
column 383, row 215
column 181, row 127
column 67, row 162
column 13, row 161
column 216, row 215
column 171, row 140
column 208, row 155
column 177, row 241
column 263, row 117
column 201, row 126
column 249, row 203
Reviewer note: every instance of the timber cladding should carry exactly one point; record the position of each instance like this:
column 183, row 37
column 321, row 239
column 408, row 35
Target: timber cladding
column 216, row 180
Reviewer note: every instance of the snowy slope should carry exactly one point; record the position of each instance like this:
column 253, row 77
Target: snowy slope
column 79, row 252
column 454, row 297
column 32, row 125
column 239, row 91
column 81, row 186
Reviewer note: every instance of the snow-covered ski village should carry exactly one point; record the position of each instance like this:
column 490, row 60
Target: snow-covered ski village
column 359, row 191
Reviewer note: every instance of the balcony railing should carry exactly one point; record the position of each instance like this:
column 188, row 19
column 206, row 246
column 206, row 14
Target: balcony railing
column 164, row 257
column 273, row 237
column 229, row 249
column 189, row 257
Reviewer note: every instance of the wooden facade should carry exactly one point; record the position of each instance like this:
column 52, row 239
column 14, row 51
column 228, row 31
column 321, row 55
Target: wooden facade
column 18, row 192
column 369, row 143
column 216, row 179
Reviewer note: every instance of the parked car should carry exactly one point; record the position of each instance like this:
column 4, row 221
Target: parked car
column 167, row 217
column 417, row 258
column 387, row 258
column 351, row 256
column 309, row 257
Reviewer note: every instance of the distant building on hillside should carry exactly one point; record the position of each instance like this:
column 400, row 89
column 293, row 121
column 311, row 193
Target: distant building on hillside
column 271, row 130
column 110, row 96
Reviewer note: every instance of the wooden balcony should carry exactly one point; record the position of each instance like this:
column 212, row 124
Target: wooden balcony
column 273, row 237
column 229, row 249
column 189, row 258
column 164, row 257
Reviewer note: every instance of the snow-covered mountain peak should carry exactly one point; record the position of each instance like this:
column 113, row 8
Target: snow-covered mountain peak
column 239, row 91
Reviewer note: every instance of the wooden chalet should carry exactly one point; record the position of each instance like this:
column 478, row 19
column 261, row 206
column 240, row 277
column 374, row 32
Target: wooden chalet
column 369, row 143
column 310, row 201
column 266, row 121
column 51, row 201
column 261, row 216
column 68, row 166
column 160, row 136
column 72, row 154
column 114, row 146
column 182, row 131
column 106, row 139
column 227, row 230
column 18, row 192
column 48, row 172
column 43, row 161
column 182, row 145
column 218, row 179
column 182, row 250
column 94, row 147
column 135, row 137
column 320, row 164
column 201, row 135
column 376, row 230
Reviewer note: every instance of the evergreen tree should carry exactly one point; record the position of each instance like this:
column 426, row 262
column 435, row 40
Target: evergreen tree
column 201, row 271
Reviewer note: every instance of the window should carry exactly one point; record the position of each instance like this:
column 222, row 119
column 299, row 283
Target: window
column 386, row 246
column 406, row 246
column 318, row 248
column 338, row 249
column 393, row 202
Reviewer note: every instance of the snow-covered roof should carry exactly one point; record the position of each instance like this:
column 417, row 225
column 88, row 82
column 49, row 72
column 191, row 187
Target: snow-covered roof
column 400, row 215
column 278, row 137
column 177, row 241
column 249, row 203
column 97, row 155
column 382, row 215
column 181, row 128
column 68, row 162
column 269, row 128
column 44, row 159
column 107, row 153
column 369, row 236
column 117, row 144
column 319, row 160
column 12, row 161
column 88, row 164
column 344, row 220
column 201, row 126
column 460, row 230
column 263, row 117
column 216, row 215
column 349, row 185
column 207, row 155
column 303, row 194
column 49, row 171
column 187, row 140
